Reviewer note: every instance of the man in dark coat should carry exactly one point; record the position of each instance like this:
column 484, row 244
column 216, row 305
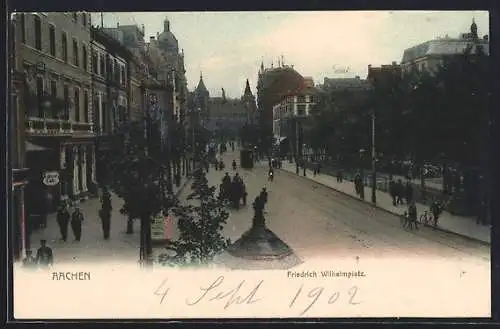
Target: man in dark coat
column 63, row 220
column 105, row 216
column 76, row 223
column 392, row 191
column 44, row 257
column 408, row 192
column 399, row 192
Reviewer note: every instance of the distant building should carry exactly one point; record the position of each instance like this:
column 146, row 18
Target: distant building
column 385, row 76
column 294, row 105
column 343, row 93
column 431, row 54
column 273, row 84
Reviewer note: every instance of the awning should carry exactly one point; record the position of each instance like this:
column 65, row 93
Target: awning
column 30, row 147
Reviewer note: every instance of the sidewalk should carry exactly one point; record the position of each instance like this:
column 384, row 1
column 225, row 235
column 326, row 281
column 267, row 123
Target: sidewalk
column 383, row 178
column 464, row 226
column 92, row 247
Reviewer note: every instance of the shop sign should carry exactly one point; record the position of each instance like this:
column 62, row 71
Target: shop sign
column 50, row 178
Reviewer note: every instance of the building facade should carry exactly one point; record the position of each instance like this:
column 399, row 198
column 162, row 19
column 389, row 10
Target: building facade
column 273, row 84
column 293, row 107
column 430, row 55
column 111, row 81
column 54, row 78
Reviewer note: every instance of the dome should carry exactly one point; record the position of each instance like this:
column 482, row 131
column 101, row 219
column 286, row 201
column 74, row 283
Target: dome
column 167, row 40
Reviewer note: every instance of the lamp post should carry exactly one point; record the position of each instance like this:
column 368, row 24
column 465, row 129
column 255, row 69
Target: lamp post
column 362, row 173
column 374, row 161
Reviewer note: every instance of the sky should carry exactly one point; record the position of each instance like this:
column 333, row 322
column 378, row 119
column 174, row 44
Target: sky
column 228, row 47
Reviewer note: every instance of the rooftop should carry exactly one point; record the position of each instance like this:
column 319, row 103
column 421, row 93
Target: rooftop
column 441, row 47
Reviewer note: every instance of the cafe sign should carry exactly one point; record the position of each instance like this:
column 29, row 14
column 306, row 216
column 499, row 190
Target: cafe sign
column 50, row 178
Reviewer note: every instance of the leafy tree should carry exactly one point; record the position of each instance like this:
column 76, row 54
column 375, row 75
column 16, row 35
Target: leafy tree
column 137, row 169
column 200, row 224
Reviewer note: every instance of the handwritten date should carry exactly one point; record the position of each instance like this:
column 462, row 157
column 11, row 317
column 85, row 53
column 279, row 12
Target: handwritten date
column 314, row 294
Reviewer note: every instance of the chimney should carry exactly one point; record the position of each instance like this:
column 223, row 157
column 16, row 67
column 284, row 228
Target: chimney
column 143, row 29
column 369, row 66
column 157, row 35
column 394, row 63
column 151, row 38
column 486, row 38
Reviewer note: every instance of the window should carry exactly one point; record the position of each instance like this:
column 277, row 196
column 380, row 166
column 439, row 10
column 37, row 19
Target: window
column 311, row 99
column 23, row 28
column 53, row 93
column 104, row 118
column 116, row 71
column 103, row 67
column 85, row 58
column 301, row 99
column 97, row 117
column 39, row 95
column 75, row 53
column 301, row 109
column 95, row 65
column 85, row 106
column 38, row 33
column 77, row 105
column 64, row 45
column 52, row 40
column 66, row 103
column 122, row 75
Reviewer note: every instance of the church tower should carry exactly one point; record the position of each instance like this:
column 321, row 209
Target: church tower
column 248, row 100
column 202, row 95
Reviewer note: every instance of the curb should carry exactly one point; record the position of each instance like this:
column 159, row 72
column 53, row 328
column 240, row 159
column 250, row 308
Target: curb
column 387, row 210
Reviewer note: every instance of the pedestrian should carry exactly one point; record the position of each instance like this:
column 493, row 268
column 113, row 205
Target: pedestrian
column 412, row 214
column 393, row 192
column 339, row 176
column 44, row 256
column 106, row 199
column 63, row 220
column 408, row 192
column 234, row 165
column 436, row 210
column 357, row 184
column 105, row 217
column 30, row 260
column 399, row 192
column 76, row 223
column 263, row 196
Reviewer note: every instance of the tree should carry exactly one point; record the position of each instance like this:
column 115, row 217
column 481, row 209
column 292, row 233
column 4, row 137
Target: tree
column 200, row 224
column 138, row 176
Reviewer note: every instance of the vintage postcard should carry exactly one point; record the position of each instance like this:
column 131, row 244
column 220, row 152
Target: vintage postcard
column 171, row 165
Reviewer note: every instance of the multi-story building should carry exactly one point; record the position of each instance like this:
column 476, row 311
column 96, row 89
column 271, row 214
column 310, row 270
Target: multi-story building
column 273, row 84
column 430, row 55
column 55, row 53
column 293, row 107
column 17, row 144
column 110, row 86
column 54, row 79
column 227, row 116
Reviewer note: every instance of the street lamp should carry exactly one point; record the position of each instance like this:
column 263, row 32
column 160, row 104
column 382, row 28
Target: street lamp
column 374, row 161
column 362, row 173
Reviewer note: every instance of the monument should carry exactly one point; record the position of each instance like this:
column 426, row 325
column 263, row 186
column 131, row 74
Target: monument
column 259, row 242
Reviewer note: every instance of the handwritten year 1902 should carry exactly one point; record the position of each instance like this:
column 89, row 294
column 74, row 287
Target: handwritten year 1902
column 314, row 294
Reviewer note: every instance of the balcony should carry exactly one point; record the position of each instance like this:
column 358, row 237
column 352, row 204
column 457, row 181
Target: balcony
column 55, row 127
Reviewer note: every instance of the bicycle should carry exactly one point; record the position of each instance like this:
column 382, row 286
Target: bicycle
column 407, row 222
